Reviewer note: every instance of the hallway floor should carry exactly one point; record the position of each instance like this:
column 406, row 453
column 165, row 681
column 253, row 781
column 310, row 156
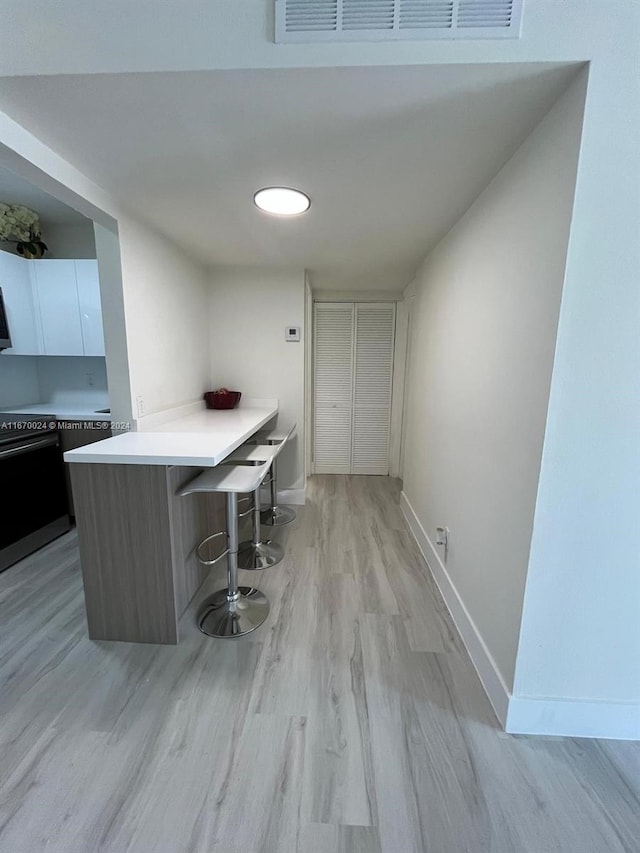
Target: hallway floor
column 351, row 722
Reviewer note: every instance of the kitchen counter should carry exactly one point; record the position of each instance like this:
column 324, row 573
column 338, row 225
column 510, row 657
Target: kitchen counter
column 58, row 412
column 137, row 534
column 202, row 439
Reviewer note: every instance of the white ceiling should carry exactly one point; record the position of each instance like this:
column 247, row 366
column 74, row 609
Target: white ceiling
column 14, row 189
column 391, row 157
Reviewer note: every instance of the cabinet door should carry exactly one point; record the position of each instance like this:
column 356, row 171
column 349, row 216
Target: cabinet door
column 90, row 309
column 15, row 281
column 56, row 293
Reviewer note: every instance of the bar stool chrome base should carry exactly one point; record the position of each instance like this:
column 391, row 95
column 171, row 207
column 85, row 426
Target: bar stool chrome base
column 277, row 516
column 252, row 557
column 221, row 616
column 236, row 610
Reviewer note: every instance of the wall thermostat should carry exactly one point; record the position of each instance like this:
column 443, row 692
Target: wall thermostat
column 292, row 333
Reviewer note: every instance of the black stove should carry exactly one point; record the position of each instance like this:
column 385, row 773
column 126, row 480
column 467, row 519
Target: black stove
column 33, row 497
column 17, row 427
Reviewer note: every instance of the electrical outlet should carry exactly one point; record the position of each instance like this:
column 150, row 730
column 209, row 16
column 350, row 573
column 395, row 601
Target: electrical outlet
column 89, row 379
column 140, row 405
column 442, row 538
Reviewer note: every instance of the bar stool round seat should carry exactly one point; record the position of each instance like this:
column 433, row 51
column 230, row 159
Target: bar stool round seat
column 236, row 610
column 257, row 553
column 275, row 515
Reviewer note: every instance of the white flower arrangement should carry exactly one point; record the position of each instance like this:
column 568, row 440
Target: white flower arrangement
column 18, row 223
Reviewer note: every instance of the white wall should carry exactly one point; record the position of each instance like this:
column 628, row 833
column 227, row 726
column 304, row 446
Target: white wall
column 581, row 628
column 484, row 324
column 28, row 379
column 64, row 241
column 249, row 309
column 69, row 241
column 71, row 380
column 113, row 321
column 199, row 34
column 18, row 380
column 166, row 303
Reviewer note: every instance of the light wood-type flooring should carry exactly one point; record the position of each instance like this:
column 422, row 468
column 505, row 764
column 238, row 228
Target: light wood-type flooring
column 351, row 722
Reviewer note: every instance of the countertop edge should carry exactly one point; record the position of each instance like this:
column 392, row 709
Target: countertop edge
column 55, row 414
column 84, row 455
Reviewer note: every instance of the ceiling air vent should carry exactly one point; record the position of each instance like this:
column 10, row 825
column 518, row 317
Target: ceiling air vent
column 380, row 20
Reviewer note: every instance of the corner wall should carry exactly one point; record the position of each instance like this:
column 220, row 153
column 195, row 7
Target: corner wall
column 577, row 670
column 249, row 309
column 166, row 301
column 484, row 321
column 154, row 297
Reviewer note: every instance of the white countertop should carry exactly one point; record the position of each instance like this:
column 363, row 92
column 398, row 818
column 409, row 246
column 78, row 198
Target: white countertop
column 58, row 411
column 202, row 439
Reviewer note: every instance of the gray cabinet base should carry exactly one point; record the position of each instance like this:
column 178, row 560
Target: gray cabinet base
column 137, row 540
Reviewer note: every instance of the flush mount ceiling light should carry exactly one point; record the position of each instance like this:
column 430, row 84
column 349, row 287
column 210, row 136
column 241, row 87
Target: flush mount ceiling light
column 282, row 201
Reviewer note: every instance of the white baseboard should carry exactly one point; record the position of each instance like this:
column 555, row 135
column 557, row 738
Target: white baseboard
column 522, row 714
column 484, row 664
column 573, row 718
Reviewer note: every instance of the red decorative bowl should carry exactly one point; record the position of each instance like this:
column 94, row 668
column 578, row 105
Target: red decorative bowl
column 227, row 400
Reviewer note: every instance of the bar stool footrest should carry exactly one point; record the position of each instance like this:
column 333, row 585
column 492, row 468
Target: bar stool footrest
column 201, row 559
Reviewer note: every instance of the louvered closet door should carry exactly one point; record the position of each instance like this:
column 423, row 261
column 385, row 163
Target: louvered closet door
column 333, row 387
column 372, row 387
column 353, row 371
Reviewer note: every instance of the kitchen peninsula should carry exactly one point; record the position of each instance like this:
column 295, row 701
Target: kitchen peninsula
column 136, row 534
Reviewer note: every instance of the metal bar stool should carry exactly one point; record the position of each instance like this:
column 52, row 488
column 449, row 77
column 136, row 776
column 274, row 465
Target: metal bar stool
column 273, row 514
column 236, row 610
column 258, row 553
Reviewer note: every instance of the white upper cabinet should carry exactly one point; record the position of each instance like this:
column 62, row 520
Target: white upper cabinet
column 53, row 306
column 90, row 310
column 15, row 282
column 56, row 294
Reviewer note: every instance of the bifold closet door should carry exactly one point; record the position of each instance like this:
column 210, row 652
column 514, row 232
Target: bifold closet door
column 333, row 387
column 372, row 386
column 353, row 371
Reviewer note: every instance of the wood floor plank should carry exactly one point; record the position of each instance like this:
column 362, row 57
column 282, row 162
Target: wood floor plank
column 420, row 760
column 352, row 721
column 326, row 838
column 339, row 783
column 427, row 621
